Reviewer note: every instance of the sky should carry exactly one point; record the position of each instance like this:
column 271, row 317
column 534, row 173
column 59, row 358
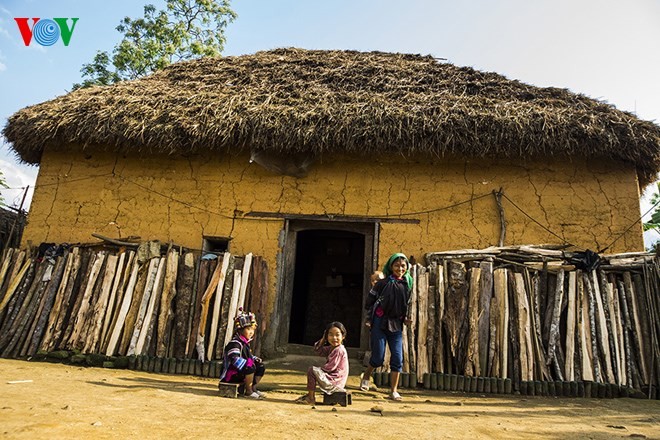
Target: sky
column 605, row 49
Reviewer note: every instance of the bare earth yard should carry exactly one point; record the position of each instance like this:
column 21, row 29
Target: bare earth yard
column 72, row 402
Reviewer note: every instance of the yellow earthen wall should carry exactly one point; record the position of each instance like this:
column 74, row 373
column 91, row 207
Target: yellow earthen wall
column 586, row 203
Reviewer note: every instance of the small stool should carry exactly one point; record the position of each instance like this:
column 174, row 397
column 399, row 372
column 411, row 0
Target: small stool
column 228, row 389
column 342, row 398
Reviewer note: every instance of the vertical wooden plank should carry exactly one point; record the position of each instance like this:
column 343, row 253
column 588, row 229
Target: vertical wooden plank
column 524, row 330
column 570, row 328
column 116, row 331
column 79, row 322
column 95, row 324
column 583, row 328
column 440, row 313
column 502, row 297
column 422, row 321
column 183, row 302
column 485, row 295
column 112, row 300
column 166, row 314
column 218, row 301
column 553, row 337
column 245, row 276
column 603, row 337
column 636, row 327
column 147, row 318
column 152, row 272
column 472, row 365
column 233, row 306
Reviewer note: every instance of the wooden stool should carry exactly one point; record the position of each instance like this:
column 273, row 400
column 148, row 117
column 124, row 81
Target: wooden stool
column 228, row 389
column 342, row 398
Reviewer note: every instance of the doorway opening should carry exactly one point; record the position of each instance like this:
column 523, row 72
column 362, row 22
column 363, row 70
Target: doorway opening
column 328, row 284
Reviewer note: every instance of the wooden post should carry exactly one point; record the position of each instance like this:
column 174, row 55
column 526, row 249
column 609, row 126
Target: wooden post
column 59, row 301
column 636, row 327
column 245, row 276
column 456, row 307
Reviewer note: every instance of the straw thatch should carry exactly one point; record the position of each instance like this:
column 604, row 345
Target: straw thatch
column 295, row 100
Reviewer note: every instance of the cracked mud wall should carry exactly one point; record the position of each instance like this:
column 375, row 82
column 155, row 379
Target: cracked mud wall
column 586, row 203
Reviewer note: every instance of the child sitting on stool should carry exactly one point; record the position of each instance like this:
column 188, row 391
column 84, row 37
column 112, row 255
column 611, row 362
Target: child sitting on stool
column 239, row 366
column 332, row 376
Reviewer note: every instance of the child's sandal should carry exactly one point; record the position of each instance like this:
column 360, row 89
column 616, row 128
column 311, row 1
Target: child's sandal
column 302, row 400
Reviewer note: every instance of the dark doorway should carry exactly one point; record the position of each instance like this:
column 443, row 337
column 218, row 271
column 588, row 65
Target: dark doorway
column 328, row 284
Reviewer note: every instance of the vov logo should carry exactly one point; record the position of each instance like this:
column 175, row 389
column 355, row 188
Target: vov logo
column 46, row 32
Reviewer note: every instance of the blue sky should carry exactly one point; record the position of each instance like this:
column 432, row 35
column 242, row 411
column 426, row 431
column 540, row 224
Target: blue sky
column 605, row 49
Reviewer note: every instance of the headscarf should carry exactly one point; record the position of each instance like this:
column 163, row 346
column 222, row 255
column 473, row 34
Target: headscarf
column 387, row 269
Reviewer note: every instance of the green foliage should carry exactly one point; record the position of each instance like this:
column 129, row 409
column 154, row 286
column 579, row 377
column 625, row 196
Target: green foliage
column 3, row 184
column 654, row 222
column 187, row 29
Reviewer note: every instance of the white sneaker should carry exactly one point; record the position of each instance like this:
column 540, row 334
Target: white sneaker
column 254, row 395
column 364, row 385
column 262, row 395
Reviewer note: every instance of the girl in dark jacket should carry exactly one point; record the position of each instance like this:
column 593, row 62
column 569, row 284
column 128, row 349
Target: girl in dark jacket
column 387, row 312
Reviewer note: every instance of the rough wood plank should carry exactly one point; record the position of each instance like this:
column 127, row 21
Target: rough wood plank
column 485, row 295
column 166, row 313
column 233, row 306
column 152, row 308
column 570, row 327
column 456, row 306
column 183, row 302
column 472, row 365
column 79, row 323
column 553, row 338
column 43, row 315
column 58, row 301
column 113, row 300
column 502, row 297
column 205, row 303
column 636, row 327
column 152, row 272
column 440, row 313
column 422, row 323
column 583, row 328
column 99, row 309
column 226, row 321
column 524, row 330
column 68, row 300
column 13, row 286
column 205, row 271
column 603, row 336
column 124, row 279
column 592, row 327
column 127, row 300
column 618, row 318
column 217, row 303
column 245, row 277
column 411, row 329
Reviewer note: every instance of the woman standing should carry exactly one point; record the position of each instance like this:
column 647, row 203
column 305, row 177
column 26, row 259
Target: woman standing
column 387, row 306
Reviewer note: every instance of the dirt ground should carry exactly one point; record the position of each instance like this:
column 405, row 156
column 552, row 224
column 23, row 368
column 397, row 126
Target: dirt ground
column 41, row 400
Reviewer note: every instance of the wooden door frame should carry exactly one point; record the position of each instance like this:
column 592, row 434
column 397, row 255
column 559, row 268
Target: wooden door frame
column 287, row 269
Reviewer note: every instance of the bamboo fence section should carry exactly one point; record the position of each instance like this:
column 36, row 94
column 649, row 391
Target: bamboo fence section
column 537, row 321
column 173, row 307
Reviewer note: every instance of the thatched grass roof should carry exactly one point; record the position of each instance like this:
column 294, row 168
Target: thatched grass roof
column 295, row 100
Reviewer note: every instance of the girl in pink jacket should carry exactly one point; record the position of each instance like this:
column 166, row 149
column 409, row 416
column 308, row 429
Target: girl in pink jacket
column 332, row 376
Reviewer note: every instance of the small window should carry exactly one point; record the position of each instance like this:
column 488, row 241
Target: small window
column 215, row 244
